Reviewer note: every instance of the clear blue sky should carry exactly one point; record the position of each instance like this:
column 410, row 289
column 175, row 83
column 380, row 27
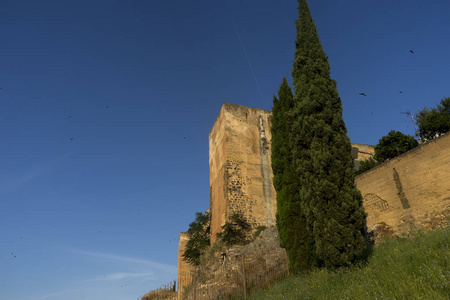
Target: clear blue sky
column 137, row 86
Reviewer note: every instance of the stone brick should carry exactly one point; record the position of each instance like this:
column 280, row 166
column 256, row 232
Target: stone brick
column 240, row 167
column 410, row 191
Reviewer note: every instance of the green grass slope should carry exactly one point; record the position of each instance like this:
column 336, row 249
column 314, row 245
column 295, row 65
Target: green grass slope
column 415, row 268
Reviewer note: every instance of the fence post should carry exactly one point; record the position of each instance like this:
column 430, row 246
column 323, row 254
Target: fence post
column 243, row 276
column 194, row 286
column 287, row 262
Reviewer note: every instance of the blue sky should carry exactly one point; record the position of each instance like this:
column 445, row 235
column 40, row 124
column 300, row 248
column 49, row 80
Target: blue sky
column 106, row 106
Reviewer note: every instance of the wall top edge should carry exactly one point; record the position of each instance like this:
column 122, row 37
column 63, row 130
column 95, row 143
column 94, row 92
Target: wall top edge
column 230, row 106
column 410, row 152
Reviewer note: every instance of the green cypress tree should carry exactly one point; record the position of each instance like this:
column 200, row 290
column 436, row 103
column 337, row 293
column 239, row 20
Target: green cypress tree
column 288, row 211
column 322, row 157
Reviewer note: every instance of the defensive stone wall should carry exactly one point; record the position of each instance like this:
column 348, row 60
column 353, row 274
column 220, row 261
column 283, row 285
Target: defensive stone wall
column 241, row 178
column 411, row 191
column 184, row 268
column 240, row 167
column 361, row 152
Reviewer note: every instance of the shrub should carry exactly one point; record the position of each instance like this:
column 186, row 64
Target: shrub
column 366, row 165
column 433, row 122
column 393, row 144
column 235, row 231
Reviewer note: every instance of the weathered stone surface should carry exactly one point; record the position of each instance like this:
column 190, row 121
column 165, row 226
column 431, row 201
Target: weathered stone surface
column 401, row 196
column 361, row 152
column 184, row 268
column 222, row 274
column 241, row 177
column 411, row 191
column 240, row 167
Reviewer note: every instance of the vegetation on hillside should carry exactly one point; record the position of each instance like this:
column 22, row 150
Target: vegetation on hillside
column 409, row 268
column 321, row 220
column 434, row 121
column 235, row 231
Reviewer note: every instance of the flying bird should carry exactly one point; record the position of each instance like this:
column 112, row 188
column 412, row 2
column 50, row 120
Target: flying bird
column 410, row 50
column 362, row 94
column 401, row 92
column 71, row 138
column 69, row 117
column 107, row 106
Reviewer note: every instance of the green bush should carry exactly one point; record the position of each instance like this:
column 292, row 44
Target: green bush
column 366, row 165
column 393, row 144
column 235, row 231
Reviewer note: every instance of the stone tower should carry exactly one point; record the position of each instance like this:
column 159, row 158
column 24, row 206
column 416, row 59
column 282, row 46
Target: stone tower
column 240, row 171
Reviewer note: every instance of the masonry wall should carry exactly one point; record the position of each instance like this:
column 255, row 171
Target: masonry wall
column 411, row 191
column 184, row 268
column 240, row 167
column 361, row 152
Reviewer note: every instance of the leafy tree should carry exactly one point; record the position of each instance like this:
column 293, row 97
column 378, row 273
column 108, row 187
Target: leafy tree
column 324, row 198
column 366, row 165
column 199, row 238
column 393, row 144
column 434, row 121
column 235, row 231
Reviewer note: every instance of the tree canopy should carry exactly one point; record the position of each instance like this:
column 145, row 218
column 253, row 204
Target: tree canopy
column 393, row 144
column 199, row 238
column 235, row 231
column 434, row 121
column 321, row 218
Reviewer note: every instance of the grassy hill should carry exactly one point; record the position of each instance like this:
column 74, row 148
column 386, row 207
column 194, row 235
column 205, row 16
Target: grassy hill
column 407, row 268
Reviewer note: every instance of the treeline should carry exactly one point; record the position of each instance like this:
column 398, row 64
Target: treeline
column 431, row 123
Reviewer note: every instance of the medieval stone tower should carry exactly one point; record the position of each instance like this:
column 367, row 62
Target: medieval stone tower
column 409, row 192
column 240, row 169
column 240, row 173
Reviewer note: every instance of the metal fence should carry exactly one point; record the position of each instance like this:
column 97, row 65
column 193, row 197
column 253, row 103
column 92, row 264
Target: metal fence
column 239, row 280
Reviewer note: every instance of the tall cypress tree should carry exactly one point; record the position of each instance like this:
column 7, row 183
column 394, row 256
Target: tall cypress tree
column 290, row 217
column 321, row 156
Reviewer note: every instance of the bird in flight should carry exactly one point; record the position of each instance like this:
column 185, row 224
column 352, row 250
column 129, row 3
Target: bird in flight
column 410, row 50
column 401, row 92
column 107, row 106
column 69, row 117
column 362, row 94
column 71, row 138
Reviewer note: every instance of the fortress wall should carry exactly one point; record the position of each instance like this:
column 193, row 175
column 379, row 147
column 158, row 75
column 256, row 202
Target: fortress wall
column 241, row 177
column 184, row 268
column 361, row 152
column 411, row 191
column 240, row 167
column 217, row 161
